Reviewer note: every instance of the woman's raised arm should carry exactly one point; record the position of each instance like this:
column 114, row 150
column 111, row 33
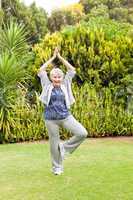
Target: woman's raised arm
column 45, row 65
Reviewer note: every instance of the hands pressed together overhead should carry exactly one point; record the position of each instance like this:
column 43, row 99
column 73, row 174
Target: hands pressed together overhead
column 57, row 54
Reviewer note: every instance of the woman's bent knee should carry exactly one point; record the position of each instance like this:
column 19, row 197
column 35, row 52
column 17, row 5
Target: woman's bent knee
column 83, row 133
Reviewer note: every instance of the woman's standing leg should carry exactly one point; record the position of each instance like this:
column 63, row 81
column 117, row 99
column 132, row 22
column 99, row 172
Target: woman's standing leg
column 54, row 139
column 78, row 131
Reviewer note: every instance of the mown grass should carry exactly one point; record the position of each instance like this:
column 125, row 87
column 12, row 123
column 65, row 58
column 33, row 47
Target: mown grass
column 100, row 169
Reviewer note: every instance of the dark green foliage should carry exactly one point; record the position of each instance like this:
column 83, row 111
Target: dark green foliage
column 32, row 17
column 119, row 10
column 70, row 15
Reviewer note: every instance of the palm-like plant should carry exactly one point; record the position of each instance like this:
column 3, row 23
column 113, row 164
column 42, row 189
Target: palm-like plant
column 13, row 48
column 13, row 39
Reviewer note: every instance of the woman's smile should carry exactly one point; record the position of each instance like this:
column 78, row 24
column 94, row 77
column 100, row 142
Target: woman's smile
column 56, row 80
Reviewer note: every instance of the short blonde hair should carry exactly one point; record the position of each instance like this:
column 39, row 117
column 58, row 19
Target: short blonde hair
column 56, row 71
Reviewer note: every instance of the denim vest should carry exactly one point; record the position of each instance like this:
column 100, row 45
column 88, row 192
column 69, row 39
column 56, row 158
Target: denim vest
column 56, row 109
column 47, row 87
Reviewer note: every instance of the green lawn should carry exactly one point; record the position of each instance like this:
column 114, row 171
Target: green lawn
column 100, row 169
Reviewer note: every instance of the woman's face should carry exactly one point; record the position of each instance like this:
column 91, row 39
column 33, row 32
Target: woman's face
column 56, row 79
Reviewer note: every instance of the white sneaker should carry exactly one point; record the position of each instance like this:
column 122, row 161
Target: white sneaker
column 58, row 171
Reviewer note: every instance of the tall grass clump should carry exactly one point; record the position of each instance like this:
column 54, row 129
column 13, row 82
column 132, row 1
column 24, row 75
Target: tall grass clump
column 29, row 123
column 100, row 114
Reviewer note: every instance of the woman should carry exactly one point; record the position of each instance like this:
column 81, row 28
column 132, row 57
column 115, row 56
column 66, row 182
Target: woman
column 57, row 96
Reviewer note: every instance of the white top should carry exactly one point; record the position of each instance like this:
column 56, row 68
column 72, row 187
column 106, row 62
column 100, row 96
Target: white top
column 47, row 87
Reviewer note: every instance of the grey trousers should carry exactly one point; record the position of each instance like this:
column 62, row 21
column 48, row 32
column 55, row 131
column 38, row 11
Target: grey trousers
column 72, row 125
